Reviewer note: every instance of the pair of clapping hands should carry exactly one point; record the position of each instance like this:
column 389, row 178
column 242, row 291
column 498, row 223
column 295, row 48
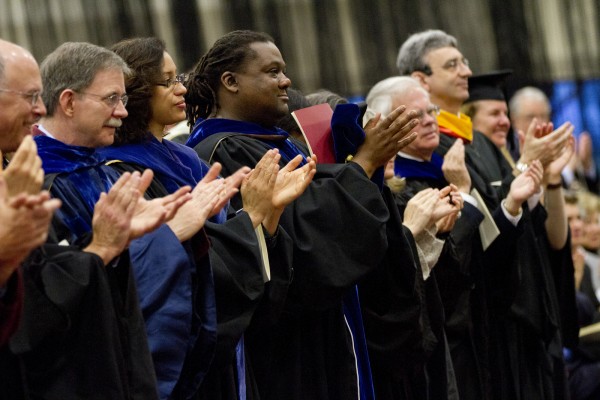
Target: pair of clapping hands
column 25, row 211
column 266, row 190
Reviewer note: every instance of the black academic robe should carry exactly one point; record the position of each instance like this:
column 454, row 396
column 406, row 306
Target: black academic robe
column 460, row 273
column 243, row 300
column 338, row 230
column 404, row 320
column 529, row 323
column 82, row 334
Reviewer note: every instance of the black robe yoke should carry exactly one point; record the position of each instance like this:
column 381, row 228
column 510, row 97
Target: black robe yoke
column 338, row 230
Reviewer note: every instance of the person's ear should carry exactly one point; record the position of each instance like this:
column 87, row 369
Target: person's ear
column 421, row 77
column 229, row 81
column 66, row 102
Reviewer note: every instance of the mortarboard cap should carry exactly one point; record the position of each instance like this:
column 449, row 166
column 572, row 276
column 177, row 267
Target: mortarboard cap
column 488, row 86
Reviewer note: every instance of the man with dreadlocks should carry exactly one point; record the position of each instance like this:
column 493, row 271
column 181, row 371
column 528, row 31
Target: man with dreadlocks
column 316, row 349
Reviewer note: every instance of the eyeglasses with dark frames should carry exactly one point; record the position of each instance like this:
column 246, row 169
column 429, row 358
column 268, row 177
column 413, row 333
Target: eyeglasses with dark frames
column 111, row 100
column 35, row 96
column 171, row 82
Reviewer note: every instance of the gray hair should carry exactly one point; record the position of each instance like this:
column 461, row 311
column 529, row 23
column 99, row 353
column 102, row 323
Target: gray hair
column 380, row 97
column 528, row 92
column 411, row 56
column 74, row 65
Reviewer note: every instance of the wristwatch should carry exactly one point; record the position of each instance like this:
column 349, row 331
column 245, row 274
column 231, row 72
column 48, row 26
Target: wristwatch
column 519, row 168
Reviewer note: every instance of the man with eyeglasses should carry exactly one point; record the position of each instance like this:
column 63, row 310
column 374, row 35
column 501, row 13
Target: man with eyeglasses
column 23, row 228
column 71, row 301
column 422, row 168
column 99, row 334
column 520, row 354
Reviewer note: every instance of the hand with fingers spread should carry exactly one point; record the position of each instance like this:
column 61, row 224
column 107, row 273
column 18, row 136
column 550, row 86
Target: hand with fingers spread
column 150, row 214
column 419, row 210
column 192, row 215
column 542, row 143
column 290, row 184
column 231, row 187
column 113, row 213
column 523, row 187
column 385, row 137
column 24, row 174
column 455, row 169
column 24, row 222
column 292, row 181
column 258, row 187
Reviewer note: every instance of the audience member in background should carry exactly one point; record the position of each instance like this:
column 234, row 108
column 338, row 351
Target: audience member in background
column 461, row 266
column 530, row 102
column 583, row 361
column 156, row 99
column 296, row 101
column 323, row 96
column 590, row 206
column 236, row 95
column 525, row 361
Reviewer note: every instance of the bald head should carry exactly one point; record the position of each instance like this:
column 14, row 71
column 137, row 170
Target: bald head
column 11, row 53
column 20, row 87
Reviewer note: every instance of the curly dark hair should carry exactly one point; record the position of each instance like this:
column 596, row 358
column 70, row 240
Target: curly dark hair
column 145, row 57
column 229, row 53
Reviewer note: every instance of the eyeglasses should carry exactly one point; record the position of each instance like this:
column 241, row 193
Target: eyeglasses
column 454, row 63
column 432, row 111
column 35, row 96
column 170, row 82
column 110, row 100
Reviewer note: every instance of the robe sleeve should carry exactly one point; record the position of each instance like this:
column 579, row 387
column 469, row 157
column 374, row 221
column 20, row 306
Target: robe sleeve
column 239, row 287
column 394, row 307
column 75, row 322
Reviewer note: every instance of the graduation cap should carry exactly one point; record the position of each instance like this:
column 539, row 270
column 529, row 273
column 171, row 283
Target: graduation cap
column 489, row 86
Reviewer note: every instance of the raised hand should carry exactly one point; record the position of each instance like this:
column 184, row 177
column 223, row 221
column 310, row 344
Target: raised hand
column 552, row 173
column 192, row 215
column 523, row 187
column 385, row 137
column 290, row 184
column 542, row 143
column 454, row 167
column 24, row 222
column 24, row 174
column 231, row 188
column 150, row 214
column 258, row 186
column 419, row 210
column 113, row 213
column 585, row 150
column 292, row 181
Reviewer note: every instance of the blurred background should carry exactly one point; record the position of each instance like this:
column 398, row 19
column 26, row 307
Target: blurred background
column 348, row 45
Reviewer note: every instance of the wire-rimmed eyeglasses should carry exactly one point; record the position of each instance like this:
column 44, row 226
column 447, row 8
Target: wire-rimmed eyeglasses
column 111, row 100
column 35, row 96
